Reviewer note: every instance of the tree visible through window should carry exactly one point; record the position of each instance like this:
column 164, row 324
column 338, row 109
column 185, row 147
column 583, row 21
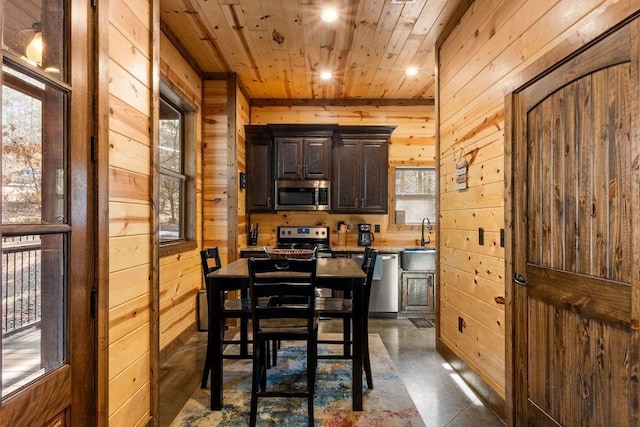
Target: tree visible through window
column 415, row 191
column 172, row 177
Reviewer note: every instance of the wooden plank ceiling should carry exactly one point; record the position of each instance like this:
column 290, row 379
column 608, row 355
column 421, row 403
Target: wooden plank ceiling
column 278, row 48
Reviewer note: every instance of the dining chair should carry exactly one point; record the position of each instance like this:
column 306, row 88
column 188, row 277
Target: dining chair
column 282, row 322
column 342, row 308
column 232, row 308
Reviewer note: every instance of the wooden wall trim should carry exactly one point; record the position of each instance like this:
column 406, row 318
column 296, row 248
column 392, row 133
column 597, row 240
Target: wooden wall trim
column 490, row 398
column 272, row 102
column 436, row 284
column 101, row 48
column 510, row 356
column 232, row 167
column 154, row 293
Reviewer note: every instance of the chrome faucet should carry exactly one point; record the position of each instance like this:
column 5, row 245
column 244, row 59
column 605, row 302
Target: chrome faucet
column 422, row 240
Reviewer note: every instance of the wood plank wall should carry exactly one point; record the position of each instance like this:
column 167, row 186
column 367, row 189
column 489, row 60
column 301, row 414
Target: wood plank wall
column 411, row 143
column 493, row 50
column 181, row 273
column 215, row 169
column 130, row 234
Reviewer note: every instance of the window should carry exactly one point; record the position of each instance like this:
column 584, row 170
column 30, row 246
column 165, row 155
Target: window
column 415, row 191
column 176, row 156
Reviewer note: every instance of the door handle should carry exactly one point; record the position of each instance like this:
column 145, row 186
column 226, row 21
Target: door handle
column 519, row 280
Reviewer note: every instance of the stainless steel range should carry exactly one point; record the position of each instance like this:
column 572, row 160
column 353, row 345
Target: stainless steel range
column 299, row 237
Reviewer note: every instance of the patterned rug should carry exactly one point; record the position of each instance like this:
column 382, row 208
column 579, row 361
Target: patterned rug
column 387, row 404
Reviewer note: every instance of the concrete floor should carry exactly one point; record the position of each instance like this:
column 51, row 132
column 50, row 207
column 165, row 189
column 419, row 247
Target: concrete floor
column 441, row 397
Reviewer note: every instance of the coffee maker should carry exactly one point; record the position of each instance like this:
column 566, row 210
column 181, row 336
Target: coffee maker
column 365, row 236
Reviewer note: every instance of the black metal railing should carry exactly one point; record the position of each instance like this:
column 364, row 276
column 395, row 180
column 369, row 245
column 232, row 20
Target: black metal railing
column 21, row 283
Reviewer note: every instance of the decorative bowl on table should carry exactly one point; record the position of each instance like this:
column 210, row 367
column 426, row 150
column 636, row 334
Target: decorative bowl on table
column 275, row 253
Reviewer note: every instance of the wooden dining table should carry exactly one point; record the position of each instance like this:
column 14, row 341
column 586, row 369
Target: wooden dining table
column 343, row 274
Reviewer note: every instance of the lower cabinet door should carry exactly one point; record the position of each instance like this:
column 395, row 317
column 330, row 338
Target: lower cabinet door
column 418, row 293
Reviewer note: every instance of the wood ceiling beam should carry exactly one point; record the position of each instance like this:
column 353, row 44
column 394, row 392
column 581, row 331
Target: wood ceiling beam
column 268, row 102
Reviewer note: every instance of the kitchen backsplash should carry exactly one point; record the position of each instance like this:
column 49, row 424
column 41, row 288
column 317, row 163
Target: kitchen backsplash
column 388, row 236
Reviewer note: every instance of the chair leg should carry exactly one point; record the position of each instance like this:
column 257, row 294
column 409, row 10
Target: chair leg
column 264, row 357
column 365, row 356
column 274, row 355
column 367, row 362
column 207, row 368
column 346, row 336
column 312, row 362
column 255, row 381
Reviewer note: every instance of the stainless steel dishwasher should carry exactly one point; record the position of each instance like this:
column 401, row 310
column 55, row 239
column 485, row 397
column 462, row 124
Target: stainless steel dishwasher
column 384, row 290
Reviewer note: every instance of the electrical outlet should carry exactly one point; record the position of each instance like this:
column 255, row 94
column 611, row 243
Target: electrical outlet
column 461, row 324
column 377, row 228
column 481, row 236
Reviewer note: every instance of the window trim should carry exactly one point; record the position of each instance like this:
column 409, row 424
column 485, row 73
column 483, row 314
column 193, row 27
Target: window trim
column 392, row 199
column 176, row 98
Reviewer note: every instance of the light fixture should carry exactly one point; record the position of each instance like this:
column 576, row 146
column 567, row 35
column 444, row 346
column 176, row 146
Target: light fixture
column 411, row 71
column 326, row 75
column 33, row 43
column 329, row 15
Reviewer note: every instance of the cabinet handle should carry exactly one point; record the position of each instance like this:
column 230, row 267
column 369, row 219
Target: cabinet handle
column 268, row 202
column 306, row 170
column 299, row 169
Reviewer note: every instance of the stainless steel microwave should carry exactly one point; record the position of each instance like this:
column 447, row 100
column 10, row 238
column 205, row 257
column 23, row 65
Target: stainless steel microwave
column 294, row 195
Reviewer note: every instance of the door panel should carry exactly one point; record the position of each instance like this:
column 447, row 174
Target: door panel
column 48, row 345
column 575, row 152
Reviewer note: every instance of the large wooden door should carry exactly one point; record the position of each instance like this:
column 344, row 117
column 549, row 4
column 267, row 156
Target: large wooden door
column 576, row 213
column 47, row 237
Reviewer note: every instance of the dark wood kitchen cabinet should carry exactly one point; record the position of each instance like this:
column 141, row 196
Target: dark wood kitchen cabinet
column 304, row 158
column 260, row 164
column 360, row 169
column 303, row 151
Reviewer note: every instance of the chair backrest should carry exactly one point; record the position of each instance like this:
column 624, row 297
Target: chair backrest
column 368, row 266
column 293, row 279
column 365, row 259
column 210, row 258
column 369, row 260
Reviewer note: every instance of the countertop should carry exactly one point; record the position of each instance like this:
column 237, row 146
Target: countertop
column 343, row 249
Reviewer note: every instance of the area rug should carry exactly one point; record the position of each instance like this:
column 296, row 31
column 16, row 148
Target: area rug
column 388, row 404
column 421, row 323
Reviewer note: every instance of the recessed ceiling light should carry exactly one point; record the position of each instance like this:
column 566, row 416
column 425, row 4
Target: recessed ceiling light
column 329, row 15
column 411, row 71
column 326, row 75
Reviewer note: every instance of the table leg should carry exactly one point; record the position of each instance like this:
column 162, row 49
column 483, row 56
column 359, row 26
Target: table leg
column 216, row 335
column 358, row 313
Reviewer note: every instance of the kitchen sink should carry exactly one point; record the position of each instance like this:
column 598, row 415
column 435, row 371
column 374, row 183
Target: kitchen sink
column 418, row 259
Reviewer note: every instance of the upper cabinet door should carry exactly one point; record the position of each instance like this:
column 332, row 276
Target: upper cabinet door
column 260, row 182
column 374, row 176
column 304, row 158
column 360, row 176
column 346, row 177
column 316, row 158
column 289, row 158
column 360, row 169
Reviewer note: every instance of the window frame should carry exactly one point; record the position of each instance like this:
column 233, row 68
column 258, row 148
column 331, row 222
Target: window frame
column 188, row 110
column 393, row 226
